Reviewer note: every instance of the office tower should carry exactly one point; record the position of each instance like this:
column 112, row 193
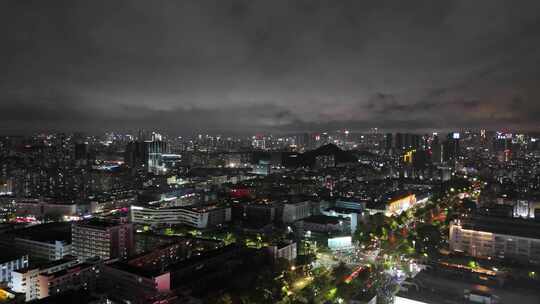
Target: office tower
column 147, row 154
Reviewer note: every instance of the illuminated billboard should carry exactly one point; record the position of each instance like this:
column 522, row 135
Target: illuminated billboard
column 401, row 204
column 340, row 242
column 408, row 156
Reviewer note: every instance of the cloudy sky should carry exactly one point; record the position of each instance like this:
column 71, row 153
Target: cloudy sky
column 255, row 66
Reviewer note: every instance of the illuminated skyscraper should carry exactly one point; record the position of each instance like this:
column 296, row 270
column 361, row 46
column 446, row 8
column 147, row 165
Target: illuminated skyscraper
column 155, row 150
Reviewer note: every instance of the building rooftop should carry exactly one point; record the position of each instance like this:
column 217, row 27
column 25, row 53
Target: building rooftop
column 283, row 244
column 8, row 254
column 48, row 264
column 400, row 194
column 198, row 209
column 46, row 233
column 501, row 225
column 98, row 224
column 72, row 269
column 46, row 201
column 69, row 297
column 156, row 271
column 323, row 219
column 344, row 210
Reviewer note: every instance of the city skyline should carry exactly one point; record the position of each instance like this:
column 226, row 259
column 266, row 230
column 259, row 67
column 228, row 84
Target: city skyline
column 259, row 66
column 269, row 151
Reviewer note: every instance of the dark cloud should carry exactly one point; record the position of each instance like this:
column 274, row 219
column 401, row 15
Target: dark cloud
column 58, row 113
column 254, row 65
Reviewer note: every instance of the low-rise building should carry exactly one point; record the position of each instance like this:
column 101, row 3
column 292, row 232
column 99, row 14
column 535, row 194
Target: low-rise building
column 283, row 250
column 325, row 224
column 148, row 281
column 350, row 204
column 255, row 214
column 198, row 217
column 394, row 203
column 353, row 216
column 25, row 280
column 111, row 203
column 136, row 285
column 78, row 277
column 493, row 237
column 47, row 242
column 11, row 260
column 44, row 209
column 294, row 211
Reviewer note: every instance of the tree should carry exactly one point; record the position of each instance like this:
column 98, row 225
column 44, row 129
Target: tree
column 223, row 299
column 362, row 235
column 229, row 238
column 428, row 239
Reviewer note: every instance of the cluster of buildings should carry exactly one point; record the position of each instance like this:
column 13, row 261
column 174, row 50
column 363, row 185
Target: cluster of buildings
column 88, row 215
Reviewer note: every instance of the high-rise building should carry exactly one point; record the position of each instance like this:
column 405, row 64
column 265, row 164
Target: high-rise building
column 81, row 152
column 146, row 154
column 400, row 141
column 408, row 141
column 388, row 142
column 437, row 150
column 135, row 156
column 451, row 147
column 155, row 150
column 259, row 142
column 103, row 239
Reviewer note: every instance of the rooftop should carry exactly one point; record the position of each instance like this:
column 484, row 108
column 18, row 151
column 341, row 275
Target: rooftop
column 46, row 233
column 323, row 219
column 500, row 225
column 199, row 209
column 73, row 269
column 8, row 254
column 69, row 297
column 400, row 194
column 98, row 224
column 150, row 273
column 344, row 210
column 48, row 264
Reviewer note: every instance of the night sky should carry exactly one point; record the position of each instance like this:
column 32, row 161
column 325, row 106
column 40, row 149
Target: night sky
column 268, row 66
